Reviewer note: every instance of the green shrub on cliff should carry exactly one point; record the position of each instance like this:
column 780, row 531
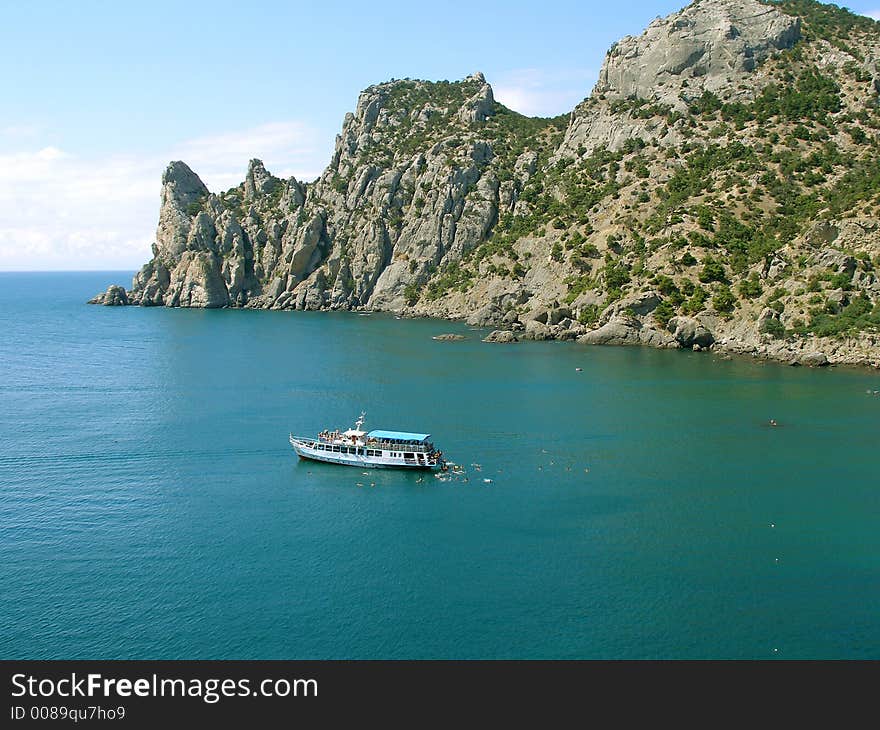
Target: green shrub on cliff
column 772, row 327
column 712, row 271
column 750, row 288
column 724, row 301
column 663, row 313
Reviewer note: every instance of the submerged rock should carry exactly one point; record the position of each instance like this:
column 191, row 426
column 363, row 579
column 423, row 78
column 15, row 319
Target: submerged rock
column 449, row 337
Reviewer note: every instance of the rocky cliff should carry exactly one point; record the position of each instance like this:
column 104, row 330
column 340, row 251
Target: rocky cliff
column 720, row 188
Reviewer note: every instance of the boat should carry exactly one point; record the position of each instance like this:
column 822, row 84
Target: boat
column 376, row 449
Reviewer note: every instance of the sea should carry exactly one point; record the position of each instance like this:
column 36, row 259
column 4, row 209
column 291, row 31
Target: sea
column 608, row 503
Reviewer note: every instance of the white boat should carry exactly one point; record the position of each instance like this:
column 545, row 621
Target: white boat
column 373, row 449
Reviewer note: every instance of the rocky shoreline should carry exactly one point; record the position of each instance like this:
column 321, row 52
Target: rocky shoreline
column 621, row 327
column 717, row 192
column 626, row 324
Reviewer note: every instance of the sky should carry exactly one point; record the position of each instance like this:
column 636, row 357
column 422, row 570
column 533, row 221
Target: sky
column 98, row 97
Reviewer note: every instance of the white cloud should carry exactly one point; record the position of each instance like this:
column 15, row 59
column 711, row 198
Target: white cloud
column 875, row 14
column 543, row 92
column 50, row 153
column 62, row 211
column 59, row 211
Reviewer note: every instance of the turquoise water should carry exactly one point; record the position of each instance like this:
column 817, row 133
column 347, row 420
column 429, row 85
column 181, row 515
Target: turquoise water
column 151, row 507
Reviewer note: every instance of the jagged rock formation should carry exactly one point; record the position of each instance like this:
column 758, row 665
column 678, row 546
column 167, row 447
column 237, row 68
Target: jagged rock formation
column 114, row 296
column 718, row 190
column 709, row 46
column 402, row 193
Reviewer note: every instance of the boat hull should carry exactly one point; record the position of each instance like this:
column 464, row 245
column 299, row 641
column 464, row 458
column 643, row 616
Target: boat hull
column 367, row 465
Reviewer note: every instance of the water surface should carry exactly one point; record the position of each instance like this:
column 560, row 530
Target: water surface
column 151, row 507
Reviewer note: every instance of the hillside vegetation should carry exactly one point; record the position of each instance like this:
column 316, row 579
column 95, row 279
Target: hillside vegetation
column 734, row 190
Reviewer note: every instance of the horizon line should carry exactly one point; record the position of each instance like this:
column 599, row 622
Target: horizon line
column 68, row 271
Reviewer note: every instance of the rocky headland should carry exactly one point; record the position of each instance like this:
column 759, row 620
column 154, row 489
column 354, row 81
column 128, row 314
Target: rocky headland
column 718, row 190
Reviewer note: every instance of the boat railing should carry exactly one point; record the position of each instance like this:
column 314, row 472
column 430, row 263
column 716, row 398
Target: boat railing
column 334, row 440
column 394, row 446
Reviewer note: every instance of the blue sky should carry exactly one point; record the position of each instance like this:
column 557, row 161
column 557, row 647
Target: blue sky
column 99, row 96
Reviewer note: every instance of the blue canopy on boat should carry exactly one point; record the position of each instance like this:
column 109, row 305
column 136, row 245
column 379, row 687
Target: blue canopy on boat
column 398, row 436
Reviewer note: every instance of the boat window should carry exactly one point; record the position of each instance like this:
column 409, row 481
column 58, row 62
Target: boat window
column 410, row 456
column 336, row 448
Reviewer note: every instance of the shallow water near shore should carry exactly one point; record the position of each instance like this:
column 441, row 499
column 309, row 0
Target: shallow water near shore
column 151, row 507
